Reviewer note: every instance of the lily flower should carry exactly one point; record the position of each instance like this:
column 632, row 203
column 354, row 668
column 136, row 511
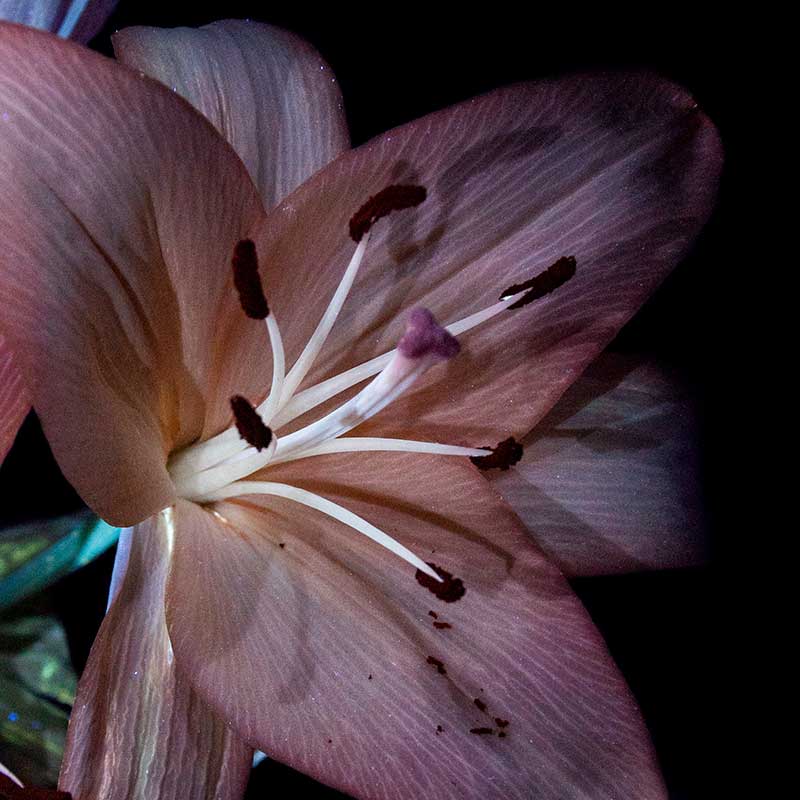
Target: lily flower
column 364, row 607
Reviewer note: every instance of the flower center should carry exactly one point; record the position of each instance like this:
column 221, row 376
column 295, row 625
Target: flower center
column 217, row 469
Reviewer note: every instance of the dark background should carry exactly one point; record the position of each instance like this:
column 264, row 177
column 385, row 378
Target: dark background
column 396, row 63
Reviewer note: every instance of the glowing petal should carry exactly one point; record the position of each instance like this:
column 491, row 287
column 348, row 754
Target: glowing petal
column 323, row 639
column 113, row 226
column 610, row 479
column 14, row 403
column 618, row 171
column 265, row 90
column 138, row 730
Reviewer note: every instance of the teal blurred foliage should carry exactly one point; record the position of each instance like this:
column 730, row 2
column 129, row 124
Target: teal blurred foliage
column 37, row 688
column 35, row 555
column 37, row 679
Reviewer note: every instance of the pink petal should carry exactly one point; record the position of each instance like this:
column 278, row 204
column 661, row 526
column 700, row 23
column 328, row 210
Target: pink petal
column 119, row 213
column 77, row 20
column 618, row 170
column 137, row 730
column 14, row 404
column 610, row 478
column 265, row 90
column 319, row 645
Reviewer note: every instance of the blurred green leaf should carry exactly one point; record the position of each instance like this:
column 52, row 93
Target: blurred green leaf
column 35, row 555
column 37, row 688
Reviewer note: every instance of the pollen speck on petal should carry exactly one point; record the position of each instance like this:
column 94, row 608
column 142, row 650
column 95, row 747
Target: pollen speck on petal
column 435, row 662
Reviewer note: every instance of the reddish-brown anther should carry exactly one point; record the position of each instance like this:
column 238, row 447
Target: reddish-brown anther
column 393, row 198
column 249, row 424
column 505, row 455
column 548, row 281
column 247, row 280
column 449, row 589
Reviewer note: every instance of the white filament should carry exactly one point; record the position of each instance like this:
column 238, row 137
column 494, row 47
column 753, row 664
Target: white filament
column 326, row 507
column 313, row 396
column 200, row 485
column 213, row 470
column 224, row 445
column 268, row 408
column 306, row 359
column 371, row 444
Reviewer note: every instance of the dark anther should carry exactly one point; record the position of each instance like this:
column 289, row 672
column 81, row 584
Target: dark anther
column 392, row 198
column 505, row 455
column 545, row 282
column 247, row 281
column 449, row 590
column 249, row 424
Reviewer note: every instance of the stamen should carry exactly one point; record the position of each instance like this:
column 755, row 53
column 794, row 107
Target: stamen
column 247, row 281
column 447, row 589
column 314, row 395
column 505, row 455
column 330, row 508
column 330, row 387
column 424, row 339
column 268, row 408
column 249, row 424
column 548, row 281
column 317, row 340
column 370, row 444
column 198, row 486
column 393, row 198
